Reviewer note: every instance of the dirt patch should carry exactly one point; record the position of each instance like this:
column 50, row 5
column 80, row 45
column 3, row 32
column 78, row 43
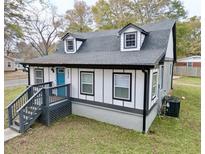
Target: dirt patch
column 15, row 75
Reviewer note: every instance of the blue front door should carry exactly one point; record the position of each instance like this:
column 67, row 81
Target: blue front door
column 60, row 76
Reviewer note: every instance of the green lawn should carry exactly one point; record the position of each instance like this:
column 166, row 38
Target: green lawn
column 189, row 80
column 9, row 95
column 75, row 134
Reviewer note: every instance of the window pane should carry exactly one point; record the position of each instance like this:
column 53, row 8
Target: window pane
column 130, row 40
column 38, row 76
column 87, row 78
column 189, row 64
column 121, row 92
column 39, row 73
column 154, row 79
column 154, row 91
column 70, row 44
column 154, row 85
column 122, row 80
column 87, row 88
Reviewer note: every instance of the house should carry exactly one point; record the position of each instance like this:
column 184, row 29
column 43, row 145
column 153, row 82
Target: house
column 12, row 64
column 116, row 76
column 9, row 64
column 188, row 66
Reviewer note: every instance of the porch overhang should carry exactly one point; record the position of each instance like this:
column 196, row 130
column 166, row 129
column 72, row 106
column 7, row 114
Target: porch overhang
column 97, row 66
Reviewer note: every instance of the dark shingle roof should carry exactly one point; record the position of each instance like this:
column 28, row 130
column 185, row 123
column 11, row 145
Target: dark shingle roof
column 103, row 48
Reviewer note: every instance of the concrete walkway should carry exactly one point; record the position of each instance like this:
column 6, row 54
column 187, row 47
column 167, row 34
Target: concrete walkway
column 9, row 134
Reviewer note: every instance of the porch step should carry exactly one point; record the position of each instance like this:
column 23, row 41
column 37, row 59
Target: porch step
column 15, row 127
column 17, row 121
column 33, row 108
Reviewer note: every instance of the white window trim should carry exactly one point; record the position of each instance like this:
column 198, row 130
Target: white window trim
column 74, row 45
column 129, row 87
column 41, row 78
column 155, row 95
column 92, row 83
column 125, row 43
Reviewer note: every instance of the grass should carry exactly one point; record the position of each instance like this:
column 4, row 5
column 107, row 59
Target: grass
column 9, row 95
column 189, row 80
column 15, row 75
column 75, row 134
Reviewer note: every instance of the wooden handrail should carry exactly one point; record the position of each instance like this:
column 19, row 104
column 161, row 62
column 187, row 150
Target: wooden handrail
column 19, row 96
column 39, row 84
column 22, row 107
column 63, row 85
column 26, row 91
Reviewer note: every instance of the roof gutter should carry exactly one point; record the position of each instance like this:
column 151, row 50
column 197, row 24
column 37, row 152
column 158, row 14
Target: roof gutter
column 105, row 66
column 146, row 97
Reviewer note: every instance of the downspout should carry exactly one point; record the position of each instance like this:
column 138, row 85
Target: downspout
column 28, row 72
column 172, row 75
column 29, row 76
column 146, row 97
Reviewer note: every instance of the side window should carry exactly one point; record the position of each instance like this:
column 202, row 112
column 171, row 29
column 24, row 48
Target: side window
column 87, row 83
column 122, row 86
column 154, row 85
column 39, row 78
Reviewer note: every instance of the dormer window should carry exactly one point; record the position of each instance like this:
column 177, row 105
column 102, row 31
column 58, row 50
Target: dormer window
column 72, row 42
column 131, row 37
column 70, row 45
column 130, row 40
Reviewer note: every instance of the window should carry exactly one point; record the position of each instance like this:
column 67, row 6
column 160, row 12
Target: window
column 154, row 85
column 87, row 83
column 9, row 64
column 161, row 76
column 122, row 86
column 39, row 76
column 189, row 64
column 130, row 40
column 70, row 45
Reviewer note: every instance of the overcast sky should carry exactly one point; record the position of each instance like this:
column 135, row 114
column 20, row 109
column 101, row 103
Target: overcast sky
column 192, row 6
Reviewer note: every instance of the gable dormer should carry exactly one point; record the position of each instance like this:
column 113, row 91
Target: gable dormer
column 72, row 42
column 131, row 37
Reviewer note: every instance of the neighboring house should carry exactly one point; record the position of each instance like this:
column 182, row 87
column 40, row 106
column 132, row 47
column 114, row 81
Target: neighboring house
column 18, row 64
column 117, row 76
column 188, row 66
column 9, row 64
column 12, row 64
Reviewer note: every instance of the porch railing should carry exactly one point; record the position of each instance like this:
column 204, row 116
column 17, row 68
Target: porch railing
column 30, row 110
column 22, row 99
column 57, row 93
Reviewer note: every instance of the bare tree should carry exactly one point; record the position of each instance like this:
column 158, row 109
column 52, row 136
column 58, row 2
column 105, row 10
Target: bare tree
column 42, row 32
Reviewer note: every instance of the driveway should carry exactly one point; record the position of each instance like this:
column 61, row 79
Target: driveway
column 17, row 82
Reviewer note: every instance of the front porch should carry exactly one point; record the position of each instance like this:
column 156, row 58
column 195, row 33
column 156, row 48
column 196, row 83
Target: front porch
column 42, row 102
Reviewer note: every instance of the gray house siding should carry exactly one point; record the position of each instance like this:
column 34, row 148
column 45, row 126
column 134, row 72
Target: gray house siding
column 100, row 53
column 127, row 114
column 103, row 85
